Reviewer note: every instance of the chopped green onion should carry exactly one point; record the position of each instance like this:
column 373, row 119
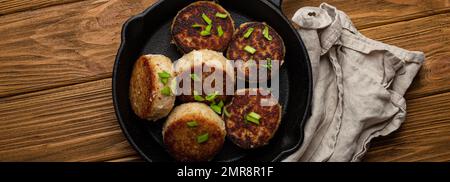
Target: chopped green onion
column 164, row 80
column 192, row 124
column 206, row 18
column 268, row 65
column 219, row 31
column 196, row 25
column 253, row 120
column 216, row 108
column 227, row 114
column 166, row 91
column 212, row 96
column 198, row 97
column 266, row 33
column 194, row 77
column 164, row 74
column 164, row 77
column 220, row 104
column 248, row 33
column 250, row 49
column 205, row 33
column 208, row 28
column 202, row 138
column 254, row 115
column 221, row 15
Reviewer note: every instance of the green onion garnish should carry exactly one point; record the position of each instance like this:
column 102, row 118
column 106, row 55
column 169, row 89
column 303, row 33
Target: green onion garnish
column 164, row 80
column 248, row 33
column 254, row 115
column 227, row 114
column 164, row 77
column 206, row 18
column 268, row 65
column 164, row 74
column 198, row 97
column 216, row 108
column 250, row 49
column 220, row 15
column 194, row 77
column 252, row 120
column 202, row 138
column 219, row 31
column 166, row 91
column 220, row 104
column 196, row 25
column 212, row 96
column 208, row 28
column 205, row 33
column 266, row 33
column 192, row 123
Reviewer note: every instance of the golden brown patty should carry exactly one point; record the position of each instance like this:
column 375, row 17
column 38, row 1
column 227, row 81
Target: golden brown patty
column 211, row 62
column 246, row 134
column 273, row 49
column 190, row 97
column 181, row 138
column 146, row 90
column 188, row 38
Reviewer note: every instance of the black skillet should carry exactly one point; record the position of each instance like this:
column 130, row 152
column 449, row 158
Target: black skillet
column 149, row 32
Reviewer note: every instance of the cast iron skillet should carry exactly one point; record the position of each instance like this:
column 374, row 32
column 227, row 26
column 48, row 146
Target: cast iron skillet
column 149, row 32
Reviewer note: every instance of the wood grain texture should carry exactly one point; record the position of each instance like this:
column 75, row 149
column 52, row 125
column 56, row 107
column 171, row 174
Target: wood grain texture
column 61, row 45
column 430, row 35
column 65, row 45
column 132, row 158
column 77, row 42
column 425, row 135
column 14, row 6
column 77, row 123
column 74, row 123
column 373, row 13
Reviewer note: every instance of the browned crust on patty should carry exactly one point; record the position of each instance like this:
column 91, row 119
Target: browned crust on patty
column 265, row 49
column 181, row 140
column 190, row 98
column 142, row 86
column 246, row 134
column 146, row 98
column 188, row 38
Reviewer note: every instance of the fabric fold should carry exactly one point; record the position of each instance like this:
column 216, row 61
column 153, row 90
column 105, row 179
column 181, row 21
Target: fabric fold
column 358, row 83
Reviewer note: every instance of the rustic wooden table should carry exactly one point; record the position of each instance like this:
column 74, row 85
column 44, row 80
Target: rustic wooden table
column 56, row 59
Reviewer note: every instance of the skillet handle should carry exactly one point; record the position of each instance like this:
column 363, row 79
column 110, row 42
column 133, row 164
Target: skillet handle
column 277, row 3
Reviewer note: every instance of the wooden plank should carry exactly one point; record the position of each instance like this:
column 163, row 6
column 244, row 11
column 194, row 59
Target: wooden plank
column 373, row 13
column 77, row 42
column 421, row 32
column 430, row 35
column 132, row 158
column 75, row 123
column 61, row 45
column 14, row 6
column 423, row 137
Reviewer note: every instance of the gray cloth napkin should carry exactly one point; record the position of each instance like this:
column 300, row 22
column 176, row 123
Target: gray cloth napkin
column 358, row 83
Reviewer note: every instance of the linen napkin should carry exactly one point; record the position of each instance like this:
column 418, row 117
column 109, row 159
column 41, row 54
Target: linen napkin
column 358, row 83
